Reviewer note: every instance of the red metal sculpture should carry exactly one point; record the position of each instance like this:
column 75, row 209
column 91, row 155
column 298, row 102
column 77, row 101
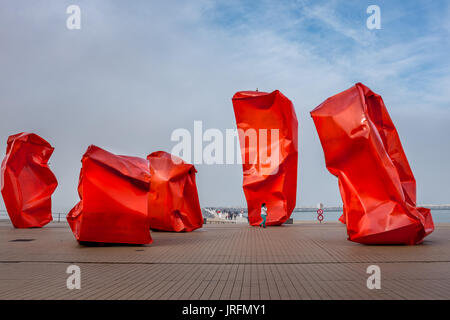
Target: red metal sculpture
column 173, row 203
column 378, row 189
column 113, row 191
column 27, row 181
column 268, row 135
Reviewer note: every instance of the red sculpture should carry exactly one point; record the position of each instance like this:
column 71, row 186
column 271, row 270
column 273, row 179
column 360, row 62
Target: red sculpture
column 113, row 191
column 27, row 181
column 267, row 127
column 378, row 189
column 173, row 203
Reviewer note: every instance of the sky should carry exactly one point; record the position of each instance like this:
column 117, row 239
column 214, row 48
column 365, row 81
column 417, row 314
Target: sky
column 138, row 70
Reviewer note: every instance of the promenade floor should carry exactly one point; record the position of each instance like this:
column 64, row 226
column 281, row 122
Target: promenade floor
column 229, row 261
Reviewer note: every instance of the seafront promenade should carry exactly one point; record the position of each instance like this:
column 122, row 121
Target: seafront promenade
column 305, row 260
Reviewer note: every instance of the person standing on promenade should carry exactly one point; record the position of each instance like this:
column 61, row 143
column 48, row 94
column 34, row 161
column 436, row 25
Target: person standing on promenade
column 263, row 215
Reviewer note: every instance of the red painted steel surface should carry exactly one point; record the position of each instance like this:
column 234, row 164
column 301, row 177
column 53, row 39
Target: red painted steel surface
column 113, row 191
column 27, row 183
column 173, row 202
column 269, row 164
column 362, row 148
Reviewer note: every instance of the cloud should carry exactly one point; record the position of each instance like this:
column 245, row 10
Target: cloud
column 326, row 14
column 135, row 72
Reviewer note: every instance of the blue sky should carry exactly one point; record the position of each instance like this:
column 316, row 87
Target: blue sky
column 138, row 70
column 413, row 43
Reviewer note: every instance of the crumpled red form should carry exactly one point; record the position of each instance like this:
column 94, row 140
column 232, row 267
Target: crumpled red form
column 27, row 182
column 113, row 191
column 173, row 203
column 269, row 164
column 362, row 148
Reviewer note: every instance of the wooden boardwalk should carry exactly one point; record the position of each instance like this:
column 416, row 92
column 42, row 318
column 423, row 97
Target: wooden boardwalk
column 232, row 261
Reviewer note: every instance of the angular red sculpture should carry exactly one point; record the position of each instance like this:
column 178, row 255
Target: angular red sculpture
column 113, row 191
column 27, row 182
column 378, row 189
column 269, row 161
column 173, row 203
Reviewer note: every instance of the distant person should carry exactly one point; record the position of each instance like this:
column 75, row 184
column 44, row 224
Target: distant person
column 263, row 214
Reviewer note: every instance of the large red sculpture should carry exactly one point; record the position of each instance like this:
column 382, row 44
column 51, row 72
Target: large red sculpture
column 267, row 127
column 378, row 189
column 27, row 181
column 113, row 191
column 173, row 203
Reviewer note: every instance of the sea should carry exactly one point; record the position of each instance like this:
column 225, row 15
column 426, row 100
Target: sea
column 439, row 216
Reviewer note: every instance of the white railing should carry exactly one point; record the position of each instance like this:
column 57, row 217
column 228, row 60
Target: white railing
column 57, row 216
